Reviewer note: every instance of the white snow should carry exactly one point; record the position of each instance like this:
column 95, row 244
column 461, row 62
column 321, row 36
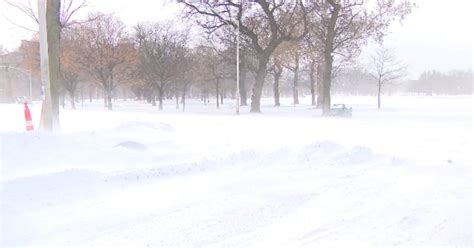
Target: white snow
column 137, row 177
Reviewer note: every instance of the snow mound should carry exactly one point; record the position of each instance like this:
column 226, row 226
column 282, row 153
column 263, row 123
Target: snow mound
column 141, row 126
column 357, row 154
column 132, row 145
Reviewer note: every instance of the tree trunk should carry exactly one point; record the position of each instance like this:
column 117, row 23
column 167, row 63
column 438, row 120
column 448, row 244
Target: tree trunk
column 259, row 81
column 73, row 100
column 160, row 98
column 242, row 82
column 379, row 91
column 91, row 93
column 50, row 110
column 276, row 84
column 108, row 96
column 319, row 86
column 217, row 93
column 295, row 88
column 63, row 100
column 54, row 37
column 328, row 58
column 312, row 83
column 183, row 98
column 295, row 80
column 177, row 99
column 109, row 101
column 204, row 97
column 82, row 98
column 151, row 95
column 326, row 85
column 222, row 97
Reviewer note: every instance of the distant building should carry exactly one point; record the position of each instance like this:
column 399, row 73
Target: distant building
column 15, row 68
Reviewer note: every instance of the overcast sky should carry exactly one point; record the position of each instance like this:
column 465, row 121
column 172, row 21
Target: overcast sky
column 438, row 35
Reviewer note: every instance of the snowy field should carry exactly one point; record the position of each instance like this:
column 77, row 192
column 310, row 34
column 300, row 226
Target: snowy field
column 396, row 177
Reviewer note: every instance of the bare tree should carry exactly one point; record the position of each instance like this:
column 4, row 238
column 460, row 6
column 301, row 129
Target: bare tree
column 343, row 26
column 183, row 75
column 312, row 48
column 385, row 69
column 224, row 41
column 276, row 69
column 187, row 73
column 273, row 23
column 107, row 52
column 291, row 61
column 68, row 10
column 70, row 66
column 215, row 70
column 160, row 52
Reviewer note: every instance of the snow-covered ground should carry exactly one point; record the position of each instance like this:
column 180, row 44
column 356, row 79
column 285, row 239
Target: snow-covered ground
column 138, row 177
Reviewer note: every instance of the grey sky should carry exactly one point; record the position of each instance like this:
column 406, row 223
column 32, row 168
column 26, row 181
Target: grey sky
column 438, row 35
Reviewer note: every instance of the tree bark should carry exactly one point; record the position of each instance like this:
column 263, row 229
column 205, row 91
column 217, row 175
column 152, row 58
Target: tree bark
column 183, row 98
column 91, row 93
column 160, row 98
column 109, row 101
column 379, row 91
column 276, row 84
column 312, row 82
column 50, row 109
column 177, row 99
column 242, row 81
column 222, row 97
column 73, row 100
column 319, row 86
column 62, row 100
column 259, row 81
column 217, row 93
column 326, row 85
column 328, row 57
column 295, row 80
column 54, row 37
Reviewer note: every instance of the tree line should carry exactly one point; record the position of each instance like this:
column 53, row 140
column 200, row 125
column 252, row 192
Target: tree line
column 195, row 54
